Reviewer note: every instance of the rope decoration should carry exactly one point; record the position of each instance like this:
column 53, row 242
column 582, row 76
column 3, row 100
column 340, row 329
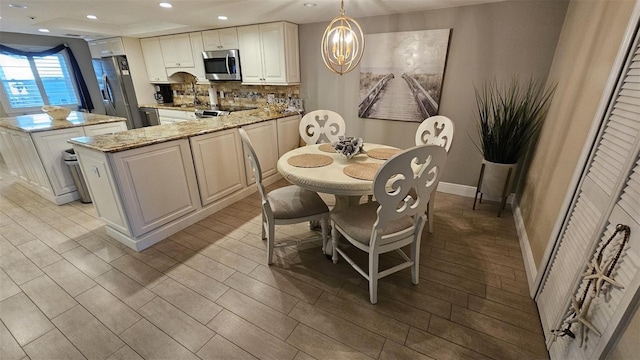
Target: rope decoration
column 598, row 274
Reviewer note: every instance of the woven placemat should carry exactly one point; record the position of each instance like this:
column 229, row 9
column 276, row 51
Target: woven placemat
column 362, row 171
column 382, row 153
column 309, row 160
column 326, row 148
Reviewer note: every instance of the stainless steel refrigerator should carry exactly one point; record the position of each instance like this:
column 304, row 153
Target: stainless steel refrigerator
column 117, row 91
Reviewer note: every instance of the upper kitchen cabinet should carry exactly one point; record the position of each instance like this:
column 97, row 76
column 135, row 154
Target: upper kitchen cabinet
column 153, row 60
column 221, row 39
column 269, row 54
column 106, row 47
column 177, row 51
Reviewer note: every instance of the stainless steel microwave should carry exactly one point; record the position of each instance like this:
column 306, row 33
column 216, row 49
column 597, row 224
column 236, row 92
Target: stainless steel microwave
column 222, row 64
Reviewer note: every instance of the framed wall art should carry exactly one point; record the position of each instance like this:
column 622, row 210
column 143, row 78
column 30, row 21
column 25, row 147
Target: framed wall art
column 401, row 74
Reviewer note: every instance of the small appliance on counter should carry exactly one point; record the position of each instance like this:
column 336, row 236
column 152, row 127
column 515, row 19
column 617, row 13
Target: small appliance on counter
column 164, row 94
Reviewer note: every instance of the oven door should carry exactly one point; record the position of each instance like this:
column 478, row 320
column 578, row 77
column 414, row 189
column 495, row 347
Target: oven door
column 222, row 65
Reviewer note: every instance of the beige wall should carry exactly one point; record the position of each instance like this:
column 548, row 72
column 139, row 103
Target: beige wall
column 500, row 39
column 588, row 45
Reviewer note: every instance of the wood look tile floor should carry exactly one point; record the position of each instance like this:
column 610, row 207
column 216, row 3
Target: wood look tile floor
column 67, row 290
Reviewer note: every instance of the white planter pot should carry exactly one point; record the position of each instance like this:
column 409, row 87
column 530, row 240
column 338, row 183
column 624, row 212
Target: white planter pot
column 494, row 178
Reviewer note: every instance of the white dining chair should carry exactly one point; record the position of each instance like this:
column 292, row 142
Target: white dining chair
column 396, row 219
column 435, row 130
column 287, row 205
column 321, row 126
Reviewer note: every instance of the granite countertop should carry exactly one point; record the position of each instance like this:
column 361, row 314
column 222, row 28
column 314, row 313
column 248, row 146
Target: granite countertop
column 161, row 133
column 42, row 122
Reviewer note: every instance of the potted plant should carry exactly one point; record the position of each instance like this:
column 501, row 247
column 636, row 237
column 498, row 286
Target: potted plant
column 509, row 117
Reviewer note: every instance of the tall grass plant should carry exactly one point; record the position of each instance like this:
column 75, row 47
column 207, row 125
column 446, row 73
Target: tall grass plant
column 509, row 117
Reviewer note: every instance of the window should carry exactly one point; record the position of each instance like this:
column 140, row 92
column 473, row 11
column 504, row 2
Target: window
column 29, row 82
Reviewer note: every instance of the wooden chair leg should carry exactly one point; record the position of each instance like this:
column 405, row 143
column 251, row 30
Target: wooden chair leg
column 264, row 226
column 415, row 257
column 270, row 242
column 373, row 277
column 430, row 212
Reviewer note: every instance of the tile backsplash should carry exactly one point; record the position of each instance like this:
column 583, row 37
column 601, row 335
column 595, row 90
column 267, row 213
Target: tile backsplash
column 233, row 93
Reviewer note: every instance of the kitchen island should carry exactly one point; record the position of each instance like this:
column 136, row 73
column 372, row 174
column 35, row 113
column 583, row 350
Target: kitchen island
column 149, row 183
column 32, row 146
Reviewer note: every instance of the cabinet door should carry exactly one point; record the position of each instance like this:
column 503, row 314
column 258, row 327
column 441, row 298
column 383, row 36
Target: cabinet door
column 222, row 39
column 94, row 49
column 263, row 137
column 250, row 54
column 153, row 60
column 288, row 134
column 114, row 47
column 184, row 52
column 198, row 64
column 169, row 54
column 50, row 145
column 273, row 53
column 228, row 38
column 158, row 184
column 292, row 52
column 9, row 152
column 33, row 164
column 219, row 165
column 108, row 128
column 176, row 50
column 211, row 40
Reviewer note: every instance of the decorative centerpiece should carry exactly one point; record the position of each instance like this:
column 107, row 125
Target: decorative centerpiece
column 348, row 146
column 56, row 112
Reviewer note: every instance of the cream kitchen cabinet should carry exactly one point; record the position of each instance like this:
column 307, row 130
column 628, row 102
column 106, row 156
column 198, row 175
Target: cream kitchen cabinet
column 50, row 145
column 261, row 136
column 177, row 50
column 221, row 39
column 288, row 133
column 269, row 54
column 23, row 161
column 145, row 174
column 197, row 67
column 35, row 157
column 153, row 60
column 219, row 164
column 106, row 47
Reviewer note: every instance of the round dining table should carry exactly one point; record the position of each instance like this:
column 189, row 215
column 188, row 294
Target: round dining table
column 331, row 178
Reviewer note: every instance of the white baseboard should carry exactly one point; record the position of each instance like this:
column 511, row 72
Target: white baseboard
column 527, row 256
column 468, row 191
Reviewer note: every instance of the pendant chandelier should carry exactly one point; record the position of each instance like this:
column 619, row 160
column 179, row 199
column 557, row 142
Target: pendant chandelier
column 342, row 43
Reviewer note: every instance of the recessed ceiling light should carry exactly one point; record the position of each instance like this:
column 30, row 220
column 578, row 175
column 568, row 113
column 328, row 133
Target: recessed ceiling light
column 222, row 17
column 309, row 4
column 18, row 6
column 43, row 30
column 165, row 5
column 92, row 17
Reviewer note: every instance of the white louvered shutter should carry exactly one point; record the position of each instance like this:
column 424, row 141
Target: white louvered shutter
column 607, row 194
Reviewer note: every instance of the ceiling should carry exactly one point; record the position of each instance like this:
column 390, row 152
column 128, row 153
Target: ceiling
column 144, row 18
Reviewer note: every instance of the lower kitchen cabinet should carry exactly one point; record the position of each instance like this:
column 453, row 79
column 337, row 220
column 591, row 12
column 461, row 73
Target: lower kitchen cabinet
column 157, row 183
column 288, row 133
column 23, row 161
column 36, row 158
column 261, row 136
column 219, row 165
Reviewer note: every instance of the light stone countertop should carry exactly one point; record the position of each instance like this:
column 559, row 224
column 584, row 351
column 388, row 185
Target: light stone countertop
column 161, row 133
column 42, row 122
